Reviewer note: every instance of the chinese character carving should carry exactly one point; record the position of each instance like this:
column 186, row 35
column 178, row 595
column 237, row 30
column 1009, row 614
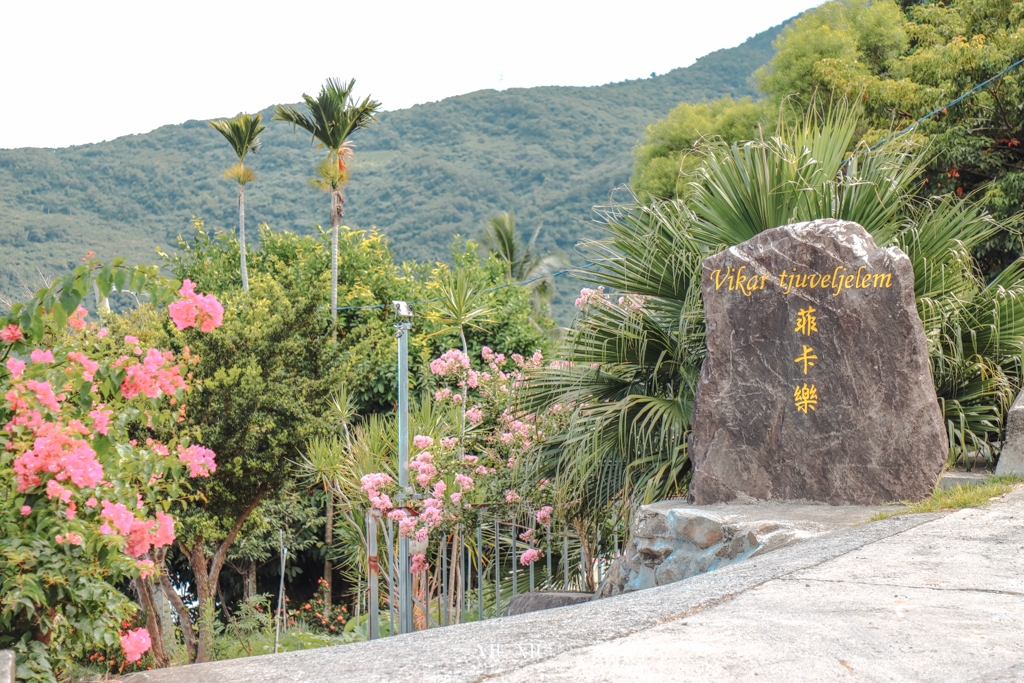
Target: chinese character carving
column 806, row 321
column 806, row 358
column 806, row 397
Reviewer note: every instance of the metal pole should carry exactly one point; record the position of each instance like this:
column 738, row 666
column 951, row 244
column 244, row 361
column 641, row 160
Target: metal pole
column 480, row 571
column 565, row 559
column 391, row 582
column 372, row 570
column 515, row 558
column 404, row 575
column 497, row 568
column 547, row 533
column 531, row 566
column 280, row 591
column 462, row 577
column 444, row 578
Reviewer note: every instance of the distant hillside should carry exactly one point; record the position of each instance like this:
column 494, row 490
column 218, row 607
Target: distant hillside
column 421, row 175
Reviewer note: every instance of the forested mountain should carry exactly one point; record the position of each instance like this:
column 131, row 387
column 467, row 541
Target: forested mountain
column 421, row 175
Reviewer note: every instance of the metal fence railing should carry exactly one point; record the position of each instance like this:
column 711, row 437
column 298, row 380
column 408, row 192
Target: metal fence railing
column 473, row 573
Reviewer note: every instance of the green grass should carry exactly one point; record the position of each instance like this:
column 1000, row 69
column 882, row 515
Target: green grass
column 957, row 498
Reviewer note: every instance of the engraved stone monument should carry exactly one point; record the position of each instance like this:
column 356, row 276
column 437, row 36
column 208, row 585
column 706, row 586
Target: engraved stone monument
column 816, row 384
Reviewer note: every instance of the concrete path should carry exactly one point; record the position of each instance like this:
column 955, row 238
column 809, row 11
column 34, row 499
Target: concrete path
column 915, row 598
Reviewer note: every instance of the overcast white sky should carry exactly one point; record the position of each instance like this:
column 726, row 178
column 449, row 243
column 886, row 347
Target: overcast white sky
column 78, row 72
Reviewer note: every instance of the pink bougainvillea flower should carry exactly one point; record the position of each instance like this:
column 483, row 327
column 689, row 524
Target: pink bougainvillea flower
column 11, row 333
column 475, row 415
column 199, row 459
column 101, row 419
column 17, row 367
column 422, row 442
column 130, row 340
column 511, row 497
column 196, row 310
column 135, row 643
column 102, row 333
column 26, row 510
column 77, row 319
column 164, row 533
column 118, row 515
column 41, row 356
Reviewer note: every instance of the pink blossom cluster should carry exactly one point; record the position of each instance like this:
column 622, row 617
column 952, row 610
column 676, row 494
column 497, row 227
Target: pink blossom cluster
column 529, row 557
column 200, row 460
column 589, row 297
column 425, row 468
column 76, row 320
column 71, row 537
column 155, row 374
column 372, row 484
column 16, row 367
column 520, row 432
column 633, row 302
column 141, row 534
column 11, row 333
column 41, row 356
column 422, row 442
column 544, row 515
column 419, row 563
column 89, row 367
column 196, row 310
column 450, row 363
column 135, row 643
column 56, row 449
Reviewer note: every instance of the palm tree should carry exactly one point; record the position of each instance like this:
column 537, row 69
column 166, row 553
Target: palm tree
column 522, row 263
column 243, row 134
column 331, row 118
column 634, row 362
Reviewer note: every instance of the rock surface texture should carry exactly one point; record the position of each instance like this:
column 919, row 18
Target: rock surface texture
column 1011, row 457
column 816, row 384
column 536, row 601
column 671, row 541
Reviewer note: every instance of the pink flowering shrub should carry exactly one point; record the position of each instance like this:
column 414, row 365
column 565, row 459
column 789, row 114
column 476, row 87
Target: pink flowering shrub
column 469, row 464
column 82, row 501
